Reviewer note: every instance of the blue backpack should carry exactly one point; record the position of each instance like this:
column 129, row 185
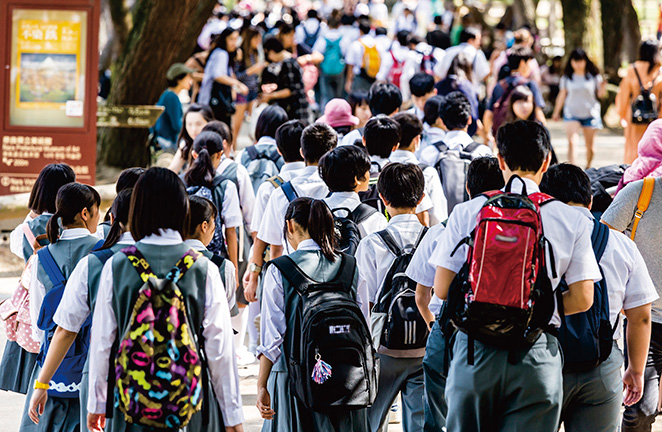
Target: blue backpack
column 310, row 38
column 66, row 380
column 587, row 337
column 262, row 164
column 334, row 62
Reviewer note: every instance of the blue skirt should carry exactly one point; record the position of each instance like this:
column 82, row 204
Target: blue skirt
column 16, row 368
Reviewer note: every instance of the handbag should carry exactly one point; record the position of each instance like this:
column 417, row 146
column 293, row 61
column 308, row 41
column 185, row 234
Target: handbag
column 221, row 99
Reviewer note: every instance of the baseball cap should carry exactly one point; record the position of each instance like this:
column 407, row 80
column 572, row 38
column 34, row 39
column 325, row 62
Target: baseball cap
column 338, row 112
column 178, row 69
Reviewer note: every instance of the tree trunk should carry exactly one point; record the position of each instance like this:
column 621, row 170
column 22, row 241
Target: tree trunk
column 118, row 33
column 631, row 32
column 163, row 32
column 582, row 27
column 525, row 13
column 613, row 12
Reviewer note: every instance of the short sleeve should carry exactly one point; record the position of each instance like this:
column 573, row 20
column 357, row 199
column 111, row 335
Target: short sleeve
column 620, row 212
column 231, row 211
column 563, row 83
column 640, row 289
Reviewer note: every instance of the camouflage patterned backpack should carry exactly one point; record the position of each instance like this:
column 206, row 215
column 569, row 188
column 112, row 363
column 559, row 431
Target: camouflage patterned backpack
column 158, row 370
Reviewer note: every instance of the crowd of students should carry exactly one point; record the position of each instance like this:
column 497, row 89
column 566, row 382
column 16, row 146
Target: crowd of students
column 375, row 253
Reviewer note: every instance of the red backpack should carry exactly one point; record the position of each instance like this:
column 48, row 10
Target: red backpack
column 503, row 296
column 395, row 73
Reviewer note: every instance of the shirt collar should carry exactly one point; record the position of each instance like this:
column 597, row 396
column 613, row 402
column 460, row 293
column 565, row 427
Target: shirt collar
column 457, row 137
column 195, row 244
column 74, row 233
column 403, row 156
column 308, row 244
column 309, row 170
column 586, row 212
column 167, row 237
column 292, row 166
column 380, row 160
column 266, row 140
column 345, row 195
column 531, row 186
column 403, row 218
column 126, row 238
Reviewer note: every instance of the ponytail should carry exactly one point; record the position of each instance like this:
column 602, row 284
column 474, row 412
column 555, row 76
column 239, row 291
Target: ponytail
column 201, row 210
column 120, row 212
column 315, row 217
column 202, row 171
column 71, row 199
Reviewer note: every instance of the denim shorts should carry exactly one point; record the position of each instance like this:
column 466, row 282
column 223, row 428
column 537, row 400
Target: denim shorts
column 250, row 97
column 591, row 122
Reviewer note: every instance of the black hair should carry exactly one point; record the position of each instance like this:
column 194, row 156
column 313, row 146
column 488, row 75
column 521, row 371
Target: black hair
column 517, row 55
column 364, row 26
column 201, row 210
column 381, row 135
column 285, row 28
column 49, row 181
column 315, row 217
column 221, row 42
column 455, row 111
column 347, row 19
column 220, row 128
column 649, row 51
column 71, row 199
column 128, row 178
column 524, row 145
column 312, row 13
column 402, row 37
column 410, row 127
column 272, row 44
column 316, row 140
column 175, row 81
column 269, row 120
column 248, row 33
column 288, row 140
column 421, row 84
column 357, row 98
column 206, row 113
column 484, row 175
column 580, row 54
column 468, row 34
column 120, row 211
column 521, row 92
column 202, row 172
column 159, row 201
column 381, row 31
column 341, row 167
column 461, row 67
column 567, row 183
column 401, row 184
column 384, row 98
column 431, row 109
column 437, row 20
column 414, row 39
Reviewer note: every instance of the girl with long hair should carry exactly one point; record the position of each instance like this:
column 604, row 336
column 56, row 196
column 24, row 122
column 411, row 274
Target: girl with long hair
column 195, row 118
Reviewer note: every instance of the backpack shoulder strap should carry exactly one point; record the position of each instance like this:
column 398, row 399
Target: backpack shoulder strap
column 98, row 244
column 422, row 234
column 103, row 254
column 293, row 273
column 643, row 202
column 276, row 181
column 274, row 156
column 252, row 152
column 183, row 265
column 390, row 242
column 139, row 262
column 52, row 270
column 441, row 146
column 29, row 235
column 346, row 271
column 472, row 147
column 541, row 198
column 599, row 239
column 230, row 172
column 219, row 261
column 361, row 213
column 289, row 191
column 641, row 84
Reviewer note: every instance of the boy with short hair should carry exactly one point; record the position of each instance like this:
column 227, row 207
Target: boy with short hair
column 433, row 126
column 483, row 175
column 421, row 86
column 410, row 140
column 384, row 99
column 401, row 187
column 512, row 389
column 592, row 399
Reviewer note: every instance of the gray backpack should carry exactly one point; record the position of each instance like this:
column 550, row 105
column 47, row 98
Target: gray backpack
column 452, row 166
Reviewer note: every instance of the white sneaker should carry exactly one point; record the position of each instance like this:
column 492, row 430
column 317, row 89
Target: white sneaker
column 244, row 357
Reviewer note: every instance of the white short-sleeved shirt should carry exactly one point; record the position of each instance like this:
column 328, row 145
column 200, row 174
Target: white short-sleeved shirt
column 217, row 333
column 229, row 276
column 351, row 137
column 420, row 269
column 628, row 282
column 480, row 65
column 350, row 200
column 566, row 230
column 218, row 64
column 307, row 184
column 16, row 239
column 453, row 139
column 331, row 35
column 231, row 211
column 354, row 55
column 433, row 189
column 246, row 193
column 287, row 173
column 431, row 135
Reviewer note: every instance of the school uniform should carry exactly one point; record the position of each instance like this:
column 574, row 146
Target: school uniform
column 494, row 393
column 378, row 161
column 17, row 364
column 238, row 174
column 207, row 306
column 265, row 145
column 431, row 135
column 307, row 184
column 433, row 189
column 78, row 302
column 402, row 370
column 291, row 414
column 453, row 140
column 592, row 400
column 287, row 173
column 61, row 413
column 434, row 362
column 350, row 200
column 351, row 137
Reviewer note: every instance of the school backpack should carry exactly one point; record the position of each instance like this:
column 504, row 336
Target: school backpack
column 503, row 296
column 371, row 60
column 428, row 60
column 310, row 38
column 330, row 357
column 502, row 105
column 396, row 322
column 602, row 179
column 452, row 166
column 642, row 204
column 66, row 379
column 216, row 195
column 395, row 73
column 347, row 227
column 289, row 191
column 371, row 196
column 334, row 61
column 645, row 107
column 158, row 371
column 587, row 338
column 261, row 164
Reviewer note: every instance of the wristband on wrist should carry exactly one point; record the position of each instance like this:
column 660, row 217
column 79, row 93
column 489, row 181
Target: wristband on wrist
column 40, row 386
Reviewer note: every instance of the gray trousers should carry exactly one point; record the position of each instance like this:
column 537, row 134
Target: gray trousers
column 495, row 395
column 435, row 381
column 592, row 400
column 399, row 375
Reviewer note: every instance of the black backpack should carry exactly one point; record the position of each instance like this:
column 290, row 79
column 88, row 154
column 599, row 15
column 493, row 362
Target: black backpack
column 347, row 227
column 371, row 196
column 602, row 179
column 404, row 328
column 330, row 358
column 645, row 107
